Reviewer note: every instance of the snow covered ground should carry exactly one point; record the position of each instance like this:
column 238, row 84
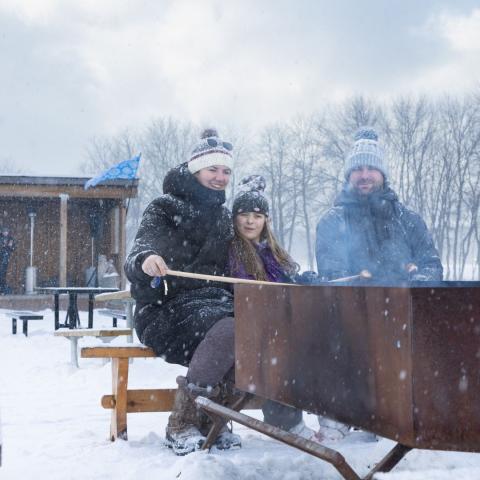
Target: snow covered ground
column 54, row 427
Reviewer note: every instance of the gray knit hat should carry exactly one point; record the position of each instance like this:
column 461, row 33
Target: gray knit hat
column 211, row 150
column 366, row 151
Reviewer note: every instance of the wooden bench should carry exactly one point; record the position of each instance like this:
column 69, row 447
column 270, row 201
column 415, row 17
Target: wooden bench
column 25, row 317
column 74, row 334
column 113, row 314
column 122, row 400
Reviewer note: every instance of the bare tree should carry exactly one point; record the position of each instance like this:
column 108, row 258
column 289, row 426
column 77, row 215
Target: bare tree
column 274, row 162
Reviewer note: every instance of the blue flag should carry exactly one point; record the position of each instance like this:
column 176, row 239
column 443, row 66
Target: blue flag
column 126, row 170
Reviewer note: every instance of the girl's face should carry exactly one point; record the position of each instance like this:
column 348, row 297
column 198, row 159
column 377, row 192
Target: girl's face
column 250, row 225
column 215, row 177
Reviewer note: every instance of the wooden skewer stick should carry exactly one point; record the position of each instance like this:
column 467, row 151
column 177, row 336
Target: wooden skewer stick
column 215, row 278
column 122, row 294
column 363, row 275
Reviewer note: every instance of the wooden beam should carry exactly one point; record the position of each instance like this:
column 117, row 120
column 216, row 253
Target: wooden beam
column 160, row 400
column 117, row 352
column 123, row 243
column 74, row 191
column 148, row 400
column 62, row 273
column 118, row 426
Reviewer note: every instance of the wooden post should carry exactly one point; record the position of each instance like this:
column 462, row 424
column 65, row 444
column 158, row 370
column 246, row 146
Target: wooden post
column 118, row 426
column 115, row 230
column 62, row 274
column 123, row 243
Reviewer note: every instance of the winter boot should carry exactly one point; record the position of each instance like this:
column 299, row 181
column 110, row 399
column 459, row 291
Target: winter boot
column 183, row 433
column 331, row 430
column 303, row 431
column 229, row 396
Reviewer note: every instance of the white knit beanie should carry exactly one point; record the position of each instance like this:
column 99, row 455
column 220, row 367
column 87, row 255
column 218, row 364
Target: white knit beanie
column 210, row 151
column 366, row 151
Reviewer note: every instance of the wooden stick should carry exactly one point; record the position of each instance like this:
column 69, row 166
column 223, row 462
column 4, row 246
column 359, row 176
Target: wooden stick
column 214, row 278
column 363, row 275
column 122, row 294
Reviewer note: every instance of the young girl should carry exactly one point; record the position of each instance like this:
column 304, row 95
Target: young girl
column 255, row 254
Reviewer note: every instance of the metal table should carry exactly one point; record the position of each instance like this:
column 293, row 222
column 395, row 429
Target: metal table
column 72, row 319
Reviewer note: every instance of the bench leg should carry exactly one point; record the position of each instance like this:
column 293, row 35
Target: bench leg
column 129, row 311
column 14, row 326
column 25, row 327
column 114, row 322
column 118, row 426
column 74, row 351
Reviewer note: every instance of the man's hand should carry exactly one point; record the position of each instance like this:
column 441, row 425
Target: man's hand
column 411, row 268
column 155, row 266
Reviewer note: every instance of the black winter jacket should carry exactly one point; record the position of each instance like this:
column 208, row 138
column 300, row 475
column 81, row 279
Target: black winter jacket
column 378, row 234
column 191, row 229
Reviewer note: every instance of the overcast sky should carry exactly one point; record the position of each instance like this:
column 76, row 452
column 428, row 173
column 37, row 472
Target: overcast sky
column 72, row 70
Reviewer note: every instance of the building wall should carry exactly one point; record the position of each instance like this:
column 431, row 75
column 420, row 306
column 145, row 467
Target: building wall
column 14, row 214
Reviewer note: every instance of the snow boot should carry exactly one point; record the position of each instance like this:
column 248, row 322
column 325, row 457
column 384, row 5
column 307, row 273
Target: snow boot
column 183, row 433
column 331, row 430
column 303, row 431
column 228, row 397
column 225, row 439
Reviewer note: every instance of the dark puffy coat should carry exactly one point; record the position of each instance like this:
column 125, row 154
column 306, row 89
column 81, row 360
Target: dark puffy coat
column 191, row 229
column 376, row 233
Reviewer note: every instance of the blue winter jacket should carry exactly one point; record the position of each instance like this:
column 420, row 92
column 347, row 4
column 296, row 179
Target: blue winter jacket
column 377, row 234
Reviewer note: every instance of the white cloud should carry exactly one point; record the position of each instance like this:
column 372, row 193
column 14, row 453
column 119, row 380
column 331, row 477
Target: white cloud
column 461, row 31
column 460, row 69
column 72, row 70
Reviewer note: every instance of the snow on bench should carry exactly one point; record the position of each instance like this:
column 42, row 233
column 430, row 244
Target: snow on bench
column 73, row 335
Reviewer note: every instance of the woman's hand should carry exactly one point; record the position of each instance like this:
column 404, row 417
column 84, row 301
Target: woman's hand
column 155, row 266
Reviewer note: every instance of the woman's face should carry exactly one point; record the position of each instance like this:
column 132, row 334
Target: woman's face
column 215, row 177
column 250, row 225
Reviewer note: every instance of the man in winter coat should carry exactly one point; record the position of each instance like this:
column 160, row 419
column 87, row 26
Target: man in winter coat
column 368, row 229
column 188, row 228
column 7, row 246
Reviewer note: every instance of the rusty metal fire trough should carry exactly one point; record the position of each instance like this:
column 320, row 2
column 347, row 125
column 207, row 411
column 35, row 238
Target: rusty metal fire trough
column 402, row 362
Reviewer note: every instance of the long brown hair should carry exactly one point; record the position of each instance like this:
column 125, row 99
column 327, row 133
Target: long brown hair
column 244, row 253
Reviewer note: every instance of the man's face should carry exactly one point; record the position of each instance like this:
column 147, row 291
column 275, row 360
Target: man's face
column 365, row 180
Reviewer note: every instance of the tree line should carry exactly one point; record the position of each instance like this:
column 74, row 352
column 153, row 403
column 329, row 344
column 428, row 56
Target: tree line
column 432, row 150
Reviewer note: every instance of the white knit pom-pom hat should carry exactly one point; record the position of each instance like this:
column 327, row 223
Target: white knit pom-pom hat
column 210, row 151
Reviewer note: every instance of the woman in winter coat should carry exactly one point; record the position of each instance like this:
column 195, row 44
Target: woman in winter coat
column 188, row 228
column 255, row 254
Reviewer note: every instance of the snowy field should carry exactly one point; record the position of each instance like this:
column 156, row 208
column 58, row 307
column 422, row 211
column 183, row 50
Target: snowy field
column 53, row 426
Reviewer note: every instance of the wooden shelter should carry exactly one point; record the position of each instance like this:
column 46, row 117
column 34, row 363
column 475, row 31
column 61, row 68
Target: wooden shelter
column 72, row 226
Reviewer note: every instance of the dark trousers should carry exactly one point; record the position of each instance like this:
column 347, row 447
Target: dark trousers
column 214, row 359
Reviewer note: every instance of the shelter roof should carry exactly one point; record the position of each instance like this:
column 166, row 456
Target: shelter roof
column 53, row 186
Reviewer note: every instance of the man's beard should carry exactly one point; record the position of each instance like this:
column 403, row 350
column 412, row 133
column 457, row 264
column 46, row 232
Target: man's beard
column 359, row 193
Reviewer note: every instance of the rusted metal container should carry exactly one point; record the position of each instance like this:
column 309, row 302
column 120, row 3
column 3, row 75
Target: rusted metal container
column 403, row 362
